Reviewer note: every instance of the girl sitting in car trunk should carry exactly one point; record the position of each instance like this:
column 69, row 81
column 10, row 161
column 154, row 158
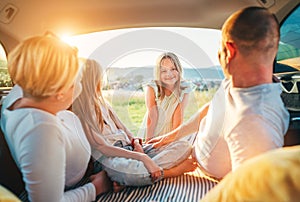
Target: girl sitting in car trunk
column 125, row 159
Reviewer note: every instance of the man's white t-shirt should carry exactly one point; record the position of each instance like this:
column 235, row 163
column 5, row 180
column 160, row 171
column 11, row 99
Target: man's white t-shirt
column 240, row 123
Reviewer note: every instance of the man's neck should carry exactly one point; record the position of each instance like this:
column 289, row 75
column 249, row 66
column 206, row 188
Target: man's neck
column 249, row 77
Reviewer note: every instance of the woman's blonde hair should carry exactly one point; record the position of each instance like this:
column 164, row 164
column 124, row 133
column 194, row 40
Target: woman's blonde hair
column 43, row 65
column 175, row 60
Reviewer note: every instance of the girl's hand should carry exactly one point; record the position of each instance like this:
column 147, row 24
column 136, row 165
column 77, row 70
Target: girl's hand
column 155, row 171
column 136, row 143
column 161, row 140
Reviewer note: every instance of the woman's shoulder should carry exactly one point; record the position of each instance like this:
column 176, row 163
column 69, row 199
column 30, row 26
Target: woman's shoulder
column 69, row 118
column 67, row 114
column 29, row 117
column 14, row 94
column 27, row 125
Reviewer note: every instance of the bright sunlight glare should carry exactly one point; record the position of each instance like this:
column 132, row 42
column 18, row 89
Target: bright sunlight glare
column 206, row 39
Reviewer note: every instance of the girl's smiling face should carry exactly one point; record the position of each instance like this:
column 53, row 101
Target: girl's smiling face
column 168, row 72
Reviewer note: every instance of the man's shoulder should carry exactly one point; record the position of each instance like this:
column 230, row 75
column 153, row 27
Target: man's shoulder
column 253, row 128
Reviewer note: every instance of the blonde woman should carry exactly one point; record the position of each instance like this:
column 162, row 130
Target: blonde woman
column 47, row 142
column 125, row 159
column 166, row 97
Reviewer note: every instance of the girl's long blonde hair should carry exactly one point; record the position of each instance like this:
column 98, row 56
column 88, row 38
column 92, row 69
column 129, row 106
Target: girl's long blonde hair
column 88, row 104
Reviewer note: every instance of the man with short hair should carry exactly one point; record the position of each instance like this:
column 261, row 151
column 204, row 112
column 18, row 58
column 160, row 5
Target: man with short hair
column 246, row 116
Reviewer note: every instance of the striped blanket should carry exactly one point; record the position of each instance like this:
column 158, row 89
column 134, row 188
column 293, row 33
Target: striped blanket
column 189, row 187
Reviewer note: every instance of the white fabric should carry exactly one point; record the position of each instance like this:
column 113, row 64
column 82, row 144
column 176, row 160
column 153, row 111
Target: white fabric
column 52, row 152
column 111, row 132
column 247, row 122
column 133, row 172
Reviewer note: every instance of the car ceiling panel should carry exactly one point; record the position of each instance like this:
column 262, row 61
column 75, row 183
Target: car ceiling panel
column 84, row 16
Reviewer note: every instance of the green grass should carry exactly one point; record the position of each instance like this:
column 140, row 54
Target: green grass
column 130, row 106
column 5, row 80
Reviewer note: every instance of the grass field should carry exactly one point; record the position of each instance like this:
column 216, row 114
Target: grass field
column 130, row 105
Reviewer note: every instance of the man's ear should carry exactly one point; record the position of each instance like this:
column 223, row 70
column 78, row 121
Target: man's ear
column 231, row 50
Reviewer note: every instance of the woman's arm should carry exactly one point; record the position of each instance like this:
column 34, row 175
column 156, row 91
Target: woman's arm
column 42, row 159
column 152, row 112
